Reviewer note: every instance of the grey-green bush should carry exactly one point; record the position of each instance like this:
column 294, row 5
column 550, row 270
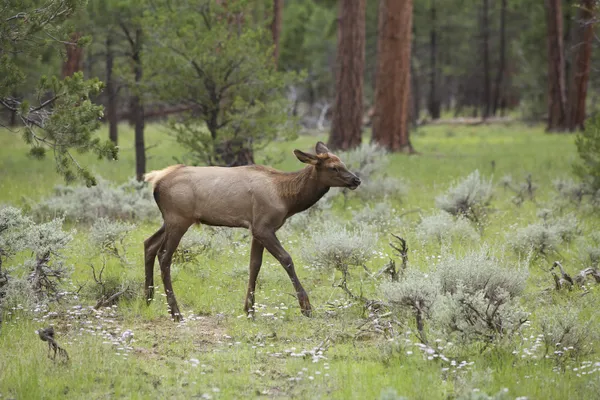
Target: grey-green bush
column 380, row 216
column 443, row 226
column 479, row 296
column 469, row 197
column 129, row 201
column 109, row 236
column 546, row 236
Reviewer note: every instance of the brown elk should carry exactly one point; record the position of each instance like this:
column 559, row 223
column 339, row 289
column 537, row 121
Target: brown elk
column 254, row 197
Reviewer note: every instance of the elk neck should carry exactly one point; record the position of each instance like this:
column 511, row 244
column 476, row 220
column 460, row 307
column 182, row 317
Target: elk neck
column 301, row 189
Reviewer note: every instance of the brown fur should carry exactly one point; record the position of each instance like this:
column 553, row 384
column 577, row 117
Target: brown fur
column 255, row 197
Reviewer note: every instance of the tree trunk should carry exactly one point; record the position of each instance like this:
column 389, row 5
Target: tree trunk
column 347, row 112
column 499, row 93
column 434, row 101
column 485, row 30
column 137, row 109
column 584, row 34
column 74, row 56
column 416, row 88
column 276, row 27
column 392, row 95
column 556, row 67
column 111, row 97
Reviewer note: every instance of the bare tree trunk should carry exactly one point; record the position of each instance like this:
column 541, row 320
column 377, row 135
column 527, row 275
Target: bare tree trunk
column 416, row 87
column 111, row 103
column 556, row 67
column 392, row 95
column 584, row 34
column 434, row 101
column 486, row 60
column 137, row 109
column 276, row 27
column 74, row 56
column 499, row 93
column 347, row 112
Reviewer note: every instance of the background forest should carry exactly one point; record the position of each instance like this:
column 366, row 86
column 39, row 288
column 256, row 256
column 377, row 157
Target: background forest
column 465, row 266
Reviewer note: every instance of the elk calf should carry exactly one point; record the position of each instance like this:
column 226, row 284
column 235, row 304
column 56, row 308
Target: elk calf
column 254, row 197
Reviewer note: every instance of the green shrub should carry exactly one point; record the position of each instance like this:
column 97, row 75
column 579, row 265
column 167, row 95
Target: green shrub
column 588, row 148
column 479, row 297
column 130, row 201
column 109, row 236
column 544, row 237
column 443, row 225
column 469, row 197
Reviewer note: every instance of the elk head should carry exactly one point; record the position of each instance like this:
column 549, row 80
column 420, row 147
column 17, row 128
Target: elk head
column 331, row 171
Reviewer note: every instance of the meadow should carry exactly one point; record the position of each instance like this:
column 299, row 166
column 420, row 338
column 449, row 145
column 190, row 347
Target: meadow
column 354, row 347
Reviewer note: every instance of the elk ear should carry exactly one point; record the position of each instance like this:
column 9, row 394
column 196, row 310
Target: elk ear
column 320, row 148
column 306, row 158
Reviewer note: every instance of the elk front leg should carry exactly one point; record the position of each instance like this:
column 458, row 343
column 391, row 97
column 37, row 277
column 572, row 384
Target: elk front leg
column 256, row 254
column 151, row 246
column 273, row 246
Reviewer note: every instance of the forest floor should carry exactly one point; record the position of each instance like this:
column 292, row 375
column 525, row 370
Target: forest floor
column 134, row 351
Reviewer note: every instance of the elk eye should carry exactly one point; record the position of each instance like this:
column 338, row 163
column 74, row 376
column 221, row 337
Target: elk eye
column 335, row 169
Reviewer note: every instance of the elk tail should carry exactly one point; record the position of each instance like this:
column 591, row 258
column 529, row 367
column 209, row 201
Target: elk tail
column 156, row 176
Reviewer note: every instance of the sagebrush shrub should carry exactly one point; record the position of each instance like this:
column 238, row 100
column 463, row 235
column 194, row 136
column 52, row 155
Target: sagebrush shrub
column 42, row 268
column 130, row 201
column 590, row 252
column 469, row 197
column 380, row 216
column 337, row 247
column 415, row 293
column 544, row 237
column 566, row 333
column 479, row 296
column 443, row 225
column 195, row 242
column 109, row 236
column 588, row 148
column 369, row 162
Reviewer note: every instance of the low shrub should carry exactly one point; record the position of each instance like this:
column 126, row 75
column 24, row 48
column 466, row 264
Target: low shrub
column 444, row 226
column 109, row 236
column 479, row 297
column 544, row 237
column 469, row 197
column 37, row 278
column 339, row 248
column 130, row 201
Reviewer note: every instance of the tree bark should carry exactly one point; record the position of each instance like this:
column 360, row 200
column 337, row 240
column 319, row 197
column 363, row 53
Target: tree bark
column 348, row 108
column 434, row 101
column 584, row 34
column 499, row 93
column 485, row 30
column 111, row 97
column 276, row 27
column 137, row 108
column 556, row 67
column 392, row 95
column 74, row 56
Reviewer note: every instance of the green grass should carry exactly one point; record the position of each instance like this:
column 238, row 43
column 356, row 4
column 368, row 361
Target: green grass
column 241, row 358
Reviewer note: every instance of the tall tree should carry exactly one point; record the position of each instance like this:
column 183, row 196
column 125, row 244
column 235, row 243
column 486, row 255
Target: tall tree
column 276, row 27
column 111, row 93
column 136, row 104
column 392, row 95
column 74, row 57
column 347, row 112
column 434, row 100
column 64, row 119
column 580, row 71
column 487, row 84
column 499, row 93
column 557, row 97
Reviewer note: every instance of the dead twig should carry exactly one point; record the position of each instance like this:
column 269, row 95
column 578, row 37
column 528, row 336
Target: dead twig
column 47, row 335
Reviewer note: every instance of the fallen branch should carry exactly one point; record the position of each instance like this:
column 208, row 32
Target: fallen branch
column 47, row 335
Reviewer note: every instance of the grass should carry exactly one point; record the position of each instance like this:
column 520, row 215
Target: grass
column 219, row 353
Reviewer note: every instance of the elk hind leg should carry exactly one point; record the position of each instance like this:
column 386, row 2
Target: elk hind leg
column 151, row 247
column 173, row 235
